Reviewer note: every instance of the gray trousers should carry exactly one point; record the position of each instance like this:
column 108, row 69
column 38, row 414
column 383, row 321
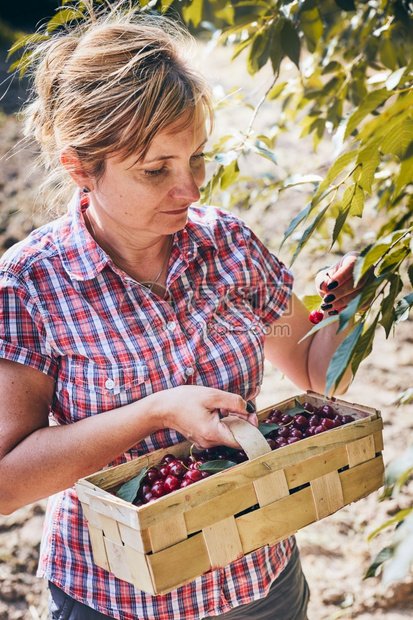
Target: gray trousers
column 286, row 600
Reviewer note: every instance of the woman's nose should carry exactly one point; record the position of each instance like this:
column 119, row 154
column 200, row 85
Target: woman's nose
column 187, row 187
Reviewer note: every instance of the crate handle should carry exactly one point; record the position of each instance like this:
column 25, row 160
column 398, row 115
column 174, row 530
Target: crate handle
column 248, row 436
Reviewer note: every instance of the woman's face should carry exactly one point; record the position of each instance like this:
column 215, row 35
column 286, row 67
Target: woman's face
column 153, row 196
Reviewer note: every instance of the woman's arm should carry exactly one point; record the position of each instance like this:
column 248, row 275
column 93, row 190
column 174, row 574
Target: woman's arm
column 306, row 362
column 37, row 460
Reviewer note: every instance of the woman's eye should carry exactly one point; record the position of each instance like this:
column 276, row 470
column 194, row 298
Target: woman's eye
column 198, row 157
column 154, row 173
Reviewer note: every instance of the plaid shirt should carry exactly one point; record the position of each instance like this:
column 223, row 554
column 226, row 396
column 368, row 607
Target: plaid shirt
column 69, row 311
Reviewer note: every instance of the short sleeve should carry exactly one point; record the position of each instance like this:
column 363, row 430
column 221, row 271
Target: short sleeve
column 274, row 282
column 21, row 327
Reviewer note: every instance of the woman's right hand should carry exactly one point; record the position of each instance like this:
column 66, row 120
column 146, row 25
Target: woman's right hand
column 194, row 411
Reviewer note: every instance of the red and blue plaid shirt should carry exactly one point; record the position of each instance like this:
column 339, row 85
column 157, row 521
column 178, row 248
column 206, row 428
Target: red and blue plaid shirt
column 106, row 340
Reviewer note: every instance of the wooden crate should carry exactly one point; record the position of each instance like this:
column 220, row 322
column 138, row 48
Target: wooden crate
column 167, row 543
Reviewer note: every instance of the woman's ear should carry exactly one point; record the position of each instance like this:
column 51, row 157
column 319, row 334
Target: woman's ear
column 71, row 162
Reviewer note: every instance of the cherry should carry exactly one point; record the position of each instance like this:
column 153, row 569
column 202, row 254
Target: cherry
column 143, row 489
column 151, row 475
column 316, row 316
column 314, row 420
column 194, row 475
column 296, row 432
column 147, row 497
column 280, row 442
column 271, row 443
column 176, row 468
column 171, row 483
column 185, row 483
column 158, row 488
column 205, row 474
column 286, row 418
column 284, row 431
column 293, row 439
column 240, row 456
column 308, row 407
column 346, row 419
column 168, row 458
column 326, row 411
column 163, row 471
column 300, row 421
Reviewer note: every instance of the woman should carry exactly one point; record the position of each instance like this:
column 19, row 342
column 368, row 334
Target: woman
column 135, row 319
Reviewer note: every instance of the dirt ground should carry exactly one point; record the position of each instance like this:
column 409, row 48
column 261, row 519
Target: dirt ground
column 335, row 551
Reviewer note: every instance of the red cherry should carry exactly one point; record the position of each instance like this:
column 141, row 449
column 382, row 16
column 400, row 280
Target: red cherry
column 271, row 443
column 314, row 420
column 283, row 431
column 308, row 407
column 327, row 423
column 293, row 439
column 316, row 316
column 177, row 468
column 185, row 483
column 151, row 475
column 346, row 419
column 295, row 432
column 158, row 488
column 148, row 497
column 240, row 456
column 163, row 471
column 194, row 475
column 326, row 411
column 168, row 458
column 300, row 421
column 171, row 483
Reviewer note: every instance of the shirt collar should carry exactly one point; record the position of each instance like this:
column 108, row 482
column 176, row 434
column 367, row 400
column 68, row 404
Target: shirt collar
column 84, row 259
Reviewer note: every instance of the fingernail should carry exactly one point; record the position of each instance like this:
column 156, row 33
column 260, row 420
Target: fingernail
column 333, row 312
column 329, row 298
column 332, row 285
column 250, row 407
column 326, row 306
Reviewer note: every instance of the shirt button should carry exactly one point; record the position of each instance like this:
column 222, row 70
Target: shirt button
column 109, row 384
column 189, row 371
column 171, row 326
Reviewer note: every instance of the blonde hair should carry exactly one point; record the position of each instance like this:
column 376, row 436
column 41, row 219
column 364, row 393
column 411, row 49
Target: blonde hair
column 110, row 85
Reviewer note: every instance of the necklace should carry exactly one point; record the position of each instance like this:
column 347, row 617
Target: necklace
column 148, row 285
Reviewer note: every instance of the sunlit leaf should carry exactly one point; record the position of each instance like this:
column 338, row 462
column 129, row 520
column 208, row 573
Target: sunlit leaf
column 63, row 17
column 370, row 103
column 402, row 308
column 193, row 12
column 383, row 556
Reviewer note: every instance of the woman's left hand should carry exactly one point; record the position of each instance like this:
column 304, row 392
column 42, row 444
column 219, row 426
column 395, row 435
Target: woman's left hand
column 335, row 285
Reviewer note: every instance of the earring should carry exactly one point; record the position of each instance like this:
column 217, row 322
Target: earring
column 85, row 190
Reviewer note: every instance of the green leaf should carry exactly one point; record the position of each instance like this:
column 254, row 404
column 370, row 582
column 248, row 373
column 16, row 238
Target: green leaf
column 370, row 103
column 374, row 252
column 229, row 175
column 301, row 179
column 296, row 221
column 276, row 90
column 129, row 490
column 63, row 17
column 193, row 12
column 388, row 54
column 308, row 232
column 387, row 306
column 402, row 308
column 215, row 466
column 348, row 313
column 339, row 165
column 26, row 40
column 342, row 357
column 404, row 176
column 312, row 26
column 290, row 42
column 321, row 325
column 364, row 346
column 383, row 556
column 311, row 302
column 399, row 140
column 259, row 52
column 265, row 429
column 369, row 158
